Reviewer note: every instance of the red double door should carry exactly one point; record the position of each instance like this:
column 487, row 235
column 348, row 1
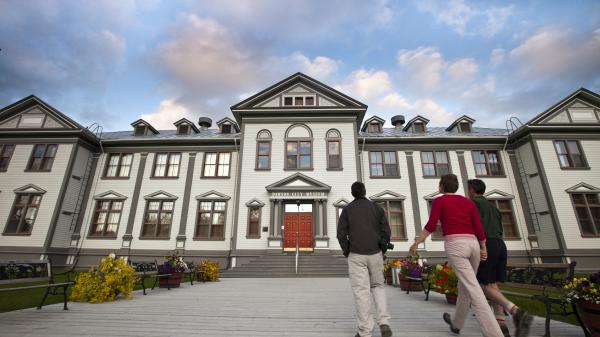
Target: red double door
column 300, row 225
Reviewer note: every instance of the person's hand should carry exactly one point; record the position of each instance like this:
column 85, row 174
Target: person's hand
column 484, row 254
column 413, row 248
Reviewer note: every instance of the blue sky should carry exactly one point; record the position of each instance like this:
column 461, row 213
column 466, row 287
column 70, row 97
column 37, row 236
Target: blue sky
column 116, row 61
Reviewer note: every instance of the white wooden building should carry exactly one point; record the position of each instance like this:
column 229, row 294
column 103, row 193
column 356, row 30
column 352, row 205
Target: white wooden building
column 279, row 171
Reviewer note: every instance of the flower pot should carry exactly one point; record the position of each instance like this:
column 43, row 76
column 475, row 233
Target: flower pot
column 405, row 282
column 451, row 298
column 173, row 281
column 388, row 277
column 590, row 315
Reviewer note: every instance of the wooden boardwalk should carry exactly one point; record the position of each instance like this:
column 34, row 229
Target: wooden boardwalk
column 243, row 307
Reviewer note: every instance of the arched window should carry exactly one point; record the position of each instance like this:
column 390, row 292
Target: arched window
column 263, row 150
column 298, row 147
column 334, row 149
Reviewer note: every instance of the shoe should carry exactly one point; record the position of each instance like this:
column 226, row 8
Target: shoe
column 357, row 335
column 385, row 330
column 522, row 321
column 504, row 330
column 448, row 320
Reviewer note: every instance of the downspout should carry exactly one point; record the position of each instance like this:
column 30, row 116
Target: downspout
column 362, row 178
column 233, row 238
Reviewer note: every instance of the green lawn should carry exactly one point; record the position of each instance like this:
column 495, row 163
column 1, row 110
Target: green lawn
column 17, row 300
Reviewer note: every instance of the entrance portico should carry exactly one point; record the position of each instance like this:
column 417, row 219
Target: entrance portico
column 298, row 214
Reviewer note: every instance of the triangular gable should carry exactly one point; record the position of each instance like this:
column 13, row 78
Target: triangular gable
column 580, row 104
column 291, row 83
column 298, row 182
column 432, row 195
column 230, row 121
column 497, row 194
column 341, row 203
column 143, row 122
column 212, row 195
column 112, row 195
column 30, row 189
column 162, row 195
column 417, row 118
column 371, row 120
column 33, row 113
column 187, row 122
column 387, row 195
column 583, row 188
column 463, row 118
column 255, row 203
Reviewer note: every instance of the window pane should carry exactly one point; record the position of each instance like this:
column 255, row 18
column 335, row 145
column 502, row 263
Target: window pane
column 298, row 100
column 165, row 218
column 376, row 170
column 334, row 161
column 441, row 157
column 224, row 158
column 304, row 147
column 205, row 205
column 264, row 148
column 390, row 158
column 51, row 151
column 204, row 219
column 560, row 147
column 443, row 169
column 263, row 162
column 479, row 157
column 219, row 206
column 35, row 199
column 428, row 170
column 174, row 158
column 305, row 161
column 309, row 100
column 391, row 170
column 573, row 147
column 292, row 162
column 334, row 148
column 587, row 227
column 592, row 199
column 480, row 169
column 218, row 219
column 167, row 206
column 596, row 218
column 376, row 157
column 395, row 206
column 427, row 157
column 153, row 205
column 287, row 101
column 494, row 163
column 217, row 232
column 292, row 148
column 211, row 158
column 38, row 151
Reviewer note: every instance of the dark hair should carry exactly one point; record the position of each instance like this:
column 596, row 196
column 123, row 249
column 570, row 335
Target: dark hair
column 477, row 185
column 449, row 183
column 358, row 190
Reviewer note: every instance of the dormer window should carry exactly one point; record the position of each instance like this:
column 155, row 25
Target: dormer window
column 464, row 124
column 374, row 127
column 226, row 128
column 465, row 127
column 183, row 129
column 299, row 100
column 419, row 127
column 228, row 125
column 140, row 130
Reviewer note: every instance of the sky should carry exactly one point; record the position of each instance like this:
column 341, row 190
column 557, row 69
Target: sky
column 113, row 62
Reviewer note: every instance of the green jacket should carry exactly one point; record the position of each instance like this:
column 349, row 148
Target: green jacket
column 491, row 218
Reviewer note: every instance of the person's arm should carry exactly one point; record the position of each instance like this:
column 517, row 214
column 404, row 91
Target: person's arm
column 342, row 233
column 434, row 217
column 384, row 225
column 479, row 232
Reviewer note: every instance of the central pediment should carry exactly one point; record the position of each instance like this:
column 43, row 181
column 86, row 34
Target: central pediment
column 298, row 182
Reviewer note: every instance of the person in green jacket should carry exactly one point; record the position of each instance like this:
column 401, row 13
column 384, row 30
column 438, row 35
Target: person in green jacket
column 493, row 270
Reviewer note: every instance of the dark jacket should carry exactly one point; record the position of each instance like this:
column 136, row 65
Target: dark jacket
column 490, row 216
column 362, row 225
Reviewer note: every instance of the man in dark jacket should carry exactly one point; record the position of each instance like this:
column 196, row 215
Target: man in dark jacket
column 361, row 227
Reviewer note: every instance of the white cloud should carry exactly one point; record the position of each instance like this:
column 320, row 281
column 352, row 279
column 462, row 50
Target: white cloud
column 463, row 68
column 395, row 103
column 497, row 56
column 554, row 52
column 366, row 84
column 465, row 18
column 167, row 113
column 321, row 67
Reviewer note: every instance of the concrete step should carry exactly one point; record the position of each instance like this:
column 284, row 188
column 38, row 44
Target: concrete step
column 284, row 266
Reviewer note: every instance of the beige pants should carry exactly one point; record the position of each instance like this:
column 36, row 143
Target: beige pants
column 463, row 256
column 366, row 279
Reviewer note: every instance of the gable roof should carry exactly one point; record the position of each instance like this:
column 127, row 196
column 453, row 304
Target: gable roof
column 387, row 195
column 291, row 184
column 417, row 118
column 497, row 194
column 231, row 121
column 30, row 188
column 371, row 119
column 110, row 195
column 188, row 122
column 458, row 120
column 31, row 101
column 581, row 93
column 254, row 202
column 583, row 188
column 141, row 121
column 160, row 195
column 212, row 195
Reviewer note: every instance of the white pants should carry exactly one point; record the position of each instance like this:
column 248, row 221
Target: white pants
column 366, row 279
column 463, row 256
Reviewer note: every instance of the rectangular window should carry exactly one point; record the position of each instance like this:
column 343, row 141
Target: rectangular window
column 6, row 152
column 23, row 214
column 309, row 100
column 106, row 218
column 299, row 101
column 334, row 155
column 118, row 165
column 31, row 121
column 42, row 157
column 210, row 223
column 158, row 219
column 263, row 155
column 374, row 127
column 140, row 130
column 587, row 211
column 437, row 234
column 288, row 101
column 166, row 165
column 395, row 212
column 419, row 127
column 216, row 164
column 435, row 163
column 183, row 129
column 226, row 128
column 465, row 127
column 254, row 222
column 383, row 164
column 487, row 163
column 298, row 155
column 509, row 225
column 569, row 154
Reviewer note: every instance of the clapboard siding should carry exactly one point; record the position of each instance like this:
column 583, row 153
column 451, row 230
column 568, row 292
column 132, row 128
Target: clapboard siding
column 561, row 180
column 16, row 177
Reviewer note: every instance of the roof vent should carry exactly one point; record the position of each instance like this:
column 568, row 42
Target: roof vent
column 398, row 121
column 204, row 123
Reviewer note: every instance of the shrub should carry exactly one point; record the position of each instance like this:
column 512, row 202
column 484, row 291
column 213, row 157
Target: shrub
column 584, row 288
column 443, row 280
column 111, row 279
column 209, row 271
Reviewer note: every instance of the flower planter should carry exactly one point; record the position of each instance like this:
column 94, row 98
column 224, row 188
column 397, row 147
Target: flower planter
column 590, row 315
column 173, row 281
column 414, row 285
column 451, row 298
column 388, row 277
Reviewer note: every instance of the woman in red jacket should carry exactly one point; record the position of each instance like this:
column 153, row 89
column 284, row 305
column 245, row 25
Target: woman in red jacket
column 464, row 242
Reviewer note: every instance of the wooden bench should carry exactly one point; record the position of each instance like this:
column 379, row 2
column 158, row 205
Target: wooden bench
column 17, row 273
column 544, row 278
column 146, row 270
column 423, row 280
